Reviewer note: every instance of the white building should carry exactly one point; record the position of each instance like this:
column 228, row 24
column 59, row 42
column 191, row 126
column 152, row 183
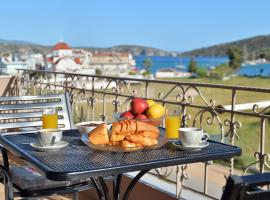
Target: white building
column 61, row 59
column 113, row 63
column 172, row 73
column 9, row 64
column 65, row 59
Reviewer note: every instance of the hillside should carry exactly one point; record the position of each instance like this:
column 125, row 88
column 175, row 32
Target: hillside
column 253, row 46
column 137, row 50
column 16, row 46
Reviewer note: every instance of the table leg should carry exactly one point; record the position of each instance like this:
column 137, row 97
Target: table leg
column 104, row 188
column 133, row 183
column 97, row 187
column 117, row 186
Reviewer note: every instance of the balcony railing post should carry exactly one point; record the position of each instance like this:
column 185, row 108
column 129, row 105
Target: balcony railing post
column 178, row 181
column 146, row 89
column 103, row 116
column 262, row 145
column 184, row 117
column 55, row 83
column 232, row 127
column 92, row 99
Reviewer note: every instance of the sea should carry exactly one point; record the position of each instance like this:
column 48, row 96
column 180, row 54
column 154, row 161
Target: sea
column 180, row 64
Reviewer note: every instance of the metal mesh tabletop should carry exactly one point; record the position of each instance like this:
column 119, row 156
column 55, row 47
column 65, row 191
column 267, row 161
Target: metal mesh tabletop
column 80, row 161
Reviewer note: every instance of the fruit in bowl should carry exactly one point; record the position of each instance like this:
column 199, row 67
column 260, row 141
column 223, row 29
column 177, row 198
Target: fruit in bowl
column 147, row 111
column 86, row 127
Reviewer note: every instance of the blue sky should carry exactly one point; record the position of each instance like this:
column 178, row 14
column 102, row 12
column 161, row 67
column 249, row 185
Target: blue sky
column 167, row 24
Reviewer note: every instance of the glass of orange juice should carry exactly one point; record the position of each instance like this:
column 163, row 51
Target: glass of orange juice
column 172, row 124
column 50, row 118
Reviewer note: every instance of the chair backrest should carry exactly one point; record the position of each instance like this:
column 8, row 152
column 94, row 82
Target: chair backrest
column 250, row 187
column 26, row 111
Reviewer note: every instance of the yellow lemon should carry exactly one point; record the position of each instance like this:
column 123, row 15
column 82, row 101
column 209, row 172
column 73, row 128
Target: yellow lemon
column 155, row 111
column 150, row 102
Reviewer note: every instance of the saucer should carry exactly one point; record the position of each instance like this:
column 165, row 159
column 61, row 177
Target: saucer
column 38, row 146
column 180, row 146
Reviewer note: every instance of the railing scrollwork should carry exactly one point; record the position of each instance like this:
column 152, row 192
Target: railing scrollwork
column 95, row 96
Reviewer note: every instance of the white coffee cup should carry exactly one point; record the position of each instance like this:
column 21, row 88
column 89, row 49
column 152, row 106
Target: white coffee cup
column 49, row 137
column 192, row 136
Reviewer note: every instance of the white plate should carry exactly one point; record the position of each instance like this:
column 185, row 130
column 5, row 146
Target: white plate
column 86, row 129
column 38, row 146
column 180, row 146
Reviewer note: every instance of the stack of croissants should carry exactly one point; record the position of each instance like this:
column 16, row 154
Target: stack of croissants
column 125, row 133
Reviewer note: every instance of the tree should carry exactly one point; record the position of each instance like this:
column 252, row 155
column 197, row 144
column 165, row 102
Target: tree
column 147, row 63
column 265, row 53
column 192, row 67
column 98, row 72
column 235, row 55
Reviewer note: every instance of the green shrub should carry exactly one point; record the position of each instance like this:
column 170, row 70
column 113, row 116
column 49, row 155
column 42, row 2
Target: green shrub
column 98, row 72
column 201, row 72
column 131, row 73
column 221, row 71
column 146, row 73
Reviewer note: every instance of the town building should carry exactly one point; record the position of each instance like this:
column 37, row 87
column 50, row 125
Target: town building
column 10, row 63
column 61, row 59
column 113, row 63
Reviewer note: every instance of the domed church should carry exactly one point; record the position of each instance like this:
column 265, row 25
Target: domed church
column 63, row 59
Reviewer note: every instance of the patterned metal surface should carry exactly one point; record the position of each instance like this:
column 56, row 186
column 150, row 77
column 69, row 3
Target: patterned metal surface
column 79, row 161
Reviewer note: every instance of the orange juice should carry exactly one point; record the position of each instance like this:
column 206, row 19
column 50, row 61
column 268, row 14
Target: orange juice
column 50, row 121
column 172, row 124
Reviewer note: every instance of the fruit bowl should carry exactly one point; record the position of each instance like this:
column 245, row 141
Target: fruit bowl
column 155, row 122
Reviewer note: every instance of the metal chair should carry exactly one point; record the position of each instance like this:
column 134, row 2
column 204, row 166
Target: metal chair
column 18, row 114
column 249, row 187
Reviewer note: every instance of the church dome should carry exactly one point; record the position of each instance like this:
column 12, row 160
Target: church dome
column 61, row 46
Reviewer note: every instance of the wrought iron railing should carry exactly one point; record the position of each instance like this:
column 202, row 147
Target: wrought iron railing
column 200, row 104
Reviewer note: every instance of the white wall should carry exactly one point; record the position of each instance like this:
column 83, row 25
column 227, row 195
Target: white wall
column 165, row 74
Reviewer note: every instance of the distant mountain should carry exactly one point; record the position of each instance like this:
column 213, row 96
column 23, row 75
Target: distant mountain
column 17, row 46
column 136, row 50
column 17, row 42
column 252, row 46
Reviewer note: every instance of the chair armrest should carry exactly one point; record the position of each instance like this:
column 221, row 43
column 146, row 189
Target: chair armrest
column 256, row 179
column 246, row 186
column 7, row 182
column 5, row 158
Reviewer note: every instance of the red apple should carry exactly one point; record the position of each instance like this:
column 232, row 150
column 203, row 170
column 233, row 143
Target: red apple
column 127, row 115
column 138, row 105
column 141, row 116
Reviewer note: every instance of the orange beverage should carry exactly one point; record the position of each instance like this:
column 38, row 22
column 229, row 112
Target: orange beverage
column 172, row 124
column 50, row 118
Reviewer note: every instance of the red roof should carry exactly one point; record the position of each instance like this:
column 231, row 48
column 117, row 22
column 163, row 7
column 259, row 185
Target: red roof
column 49, row 60
column 77, row 61
column 61, row 46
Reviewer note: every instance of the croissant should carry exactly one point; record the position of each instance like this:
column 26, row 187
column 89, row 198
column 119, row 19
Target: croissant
column 150, row 134
column 99, row 135
column 142, row 126
column 140, row 139
column 128, row 144
column 125, row 133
